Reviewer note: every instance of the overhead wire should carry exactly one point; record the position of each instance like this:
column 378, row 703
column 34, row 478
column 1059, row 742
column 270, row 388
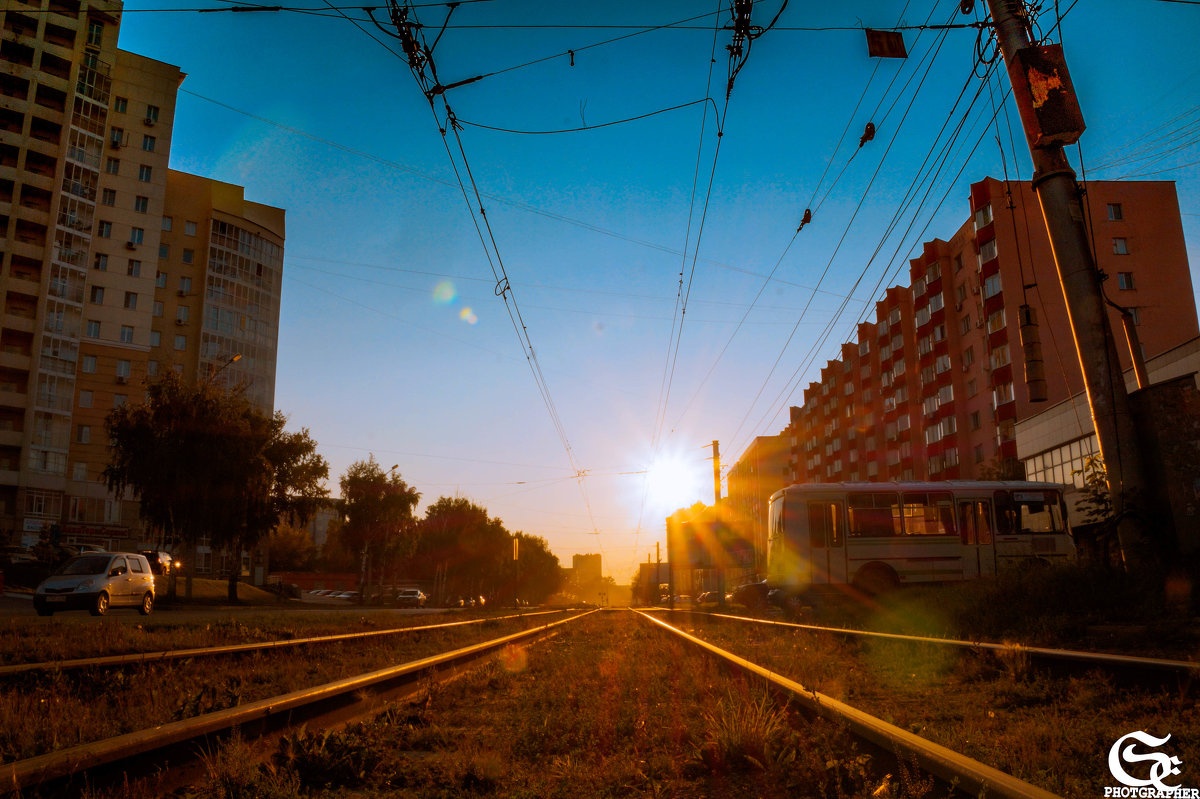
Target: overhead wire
column 419, row 57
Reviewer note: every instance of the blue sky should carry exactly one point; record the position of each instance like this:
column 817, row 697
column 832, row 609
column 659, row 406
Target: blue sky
column 393, row 340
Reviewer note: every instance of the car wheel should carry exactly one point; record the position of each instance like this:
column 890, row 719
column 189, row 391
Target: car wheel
column 100, row 608
column 147, row 606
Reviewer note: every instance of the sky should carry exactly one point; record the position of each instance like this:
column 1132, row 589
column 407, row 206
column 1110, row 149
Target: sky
column 659, row 296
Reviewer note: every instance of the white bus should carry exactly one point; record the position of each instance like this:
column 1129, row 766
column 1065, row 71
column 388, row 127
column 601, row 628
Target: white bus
column 876, row 536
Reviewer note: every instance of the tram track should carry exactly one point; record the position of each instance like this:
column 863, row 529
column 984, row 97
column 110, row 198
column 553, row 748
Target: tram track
column 305, row 705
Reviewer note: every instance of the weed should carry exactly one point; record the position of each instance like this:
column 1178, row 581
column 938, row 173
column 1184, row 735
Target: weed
column 744, row 734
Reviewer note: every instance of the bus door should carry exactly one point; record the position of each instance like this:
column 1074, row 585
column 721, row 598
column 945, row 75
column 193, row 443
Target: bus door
column 827, row 541
column 978, row 539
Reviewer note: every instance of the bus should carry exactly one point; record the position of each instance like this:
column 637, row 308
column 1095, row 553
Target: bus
column 877, row 536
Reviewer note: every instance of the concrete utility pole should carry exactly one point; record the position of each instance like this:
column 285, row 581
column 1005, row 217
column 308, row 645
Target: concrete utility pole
column 1051, row 117
column 716, row 472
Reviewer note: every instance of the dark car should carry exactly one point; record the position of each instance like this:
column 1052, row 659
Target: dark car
column 410, row 598
column 752, row 595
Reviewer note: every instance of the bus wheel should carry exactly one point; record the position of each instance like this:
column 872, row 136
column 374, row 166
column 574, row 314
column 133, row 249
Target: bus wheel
column 876, row 579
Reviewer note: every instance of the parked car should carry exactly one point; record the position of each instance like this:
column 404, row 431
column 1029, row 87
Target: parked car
column 96, row 582
column 752, row 595
column 410, row 598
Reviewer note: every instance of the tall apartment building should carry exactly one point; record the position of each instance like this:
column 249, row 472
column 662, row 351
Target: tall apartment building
column 90, row 263
column 933, row 387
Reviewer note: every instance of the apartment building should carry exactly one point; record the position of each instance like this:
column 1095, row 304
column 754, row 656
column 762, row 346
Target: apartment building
column 100, row 288
column 934, row 385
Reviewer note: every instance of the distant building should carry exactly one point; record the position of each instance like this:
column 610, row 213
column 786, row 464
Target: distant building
column 113, row 266
column 934, row 385
column 586, row 569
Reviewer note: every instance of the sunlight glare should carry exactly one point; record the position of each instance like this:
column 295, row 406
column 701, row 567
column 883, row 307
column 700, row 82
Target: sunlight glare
column 673, row 483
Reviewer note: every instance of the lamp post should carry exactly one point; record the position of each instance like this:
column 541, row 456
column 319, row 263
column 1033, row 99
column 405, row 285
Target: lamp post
column 212, row 373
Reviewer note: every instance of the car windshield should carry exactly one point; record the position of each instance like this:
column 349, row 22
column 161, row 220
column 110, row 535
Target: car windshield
column 85, row 564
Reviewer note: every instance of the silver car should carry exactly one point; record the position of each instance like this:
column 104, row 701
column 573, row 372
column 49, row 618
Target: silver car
column 96, row 582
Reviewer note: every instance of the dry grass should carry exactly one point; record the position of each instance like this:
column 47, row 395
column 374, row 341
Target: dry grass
column 607, row 708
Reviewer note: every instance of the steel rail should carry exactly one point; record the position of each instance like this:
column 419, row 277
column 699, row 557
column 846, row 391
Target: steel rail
column 140, row 658
column 1098, row 658
column 946, row 764
column 24, row 774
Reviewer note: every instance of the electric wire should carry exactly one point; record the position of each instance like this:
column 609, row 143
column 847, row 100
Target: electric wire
column 586, row 127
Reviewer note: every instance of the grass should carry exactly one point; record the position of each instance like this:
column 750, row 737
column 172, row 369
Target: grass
column 609, row 707
column 46, row 711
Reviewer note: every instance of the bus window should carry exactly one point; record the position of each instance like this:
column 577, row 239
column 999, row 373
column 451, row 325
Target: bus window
column 824, row 524
column 873, row 514
column 929, row 513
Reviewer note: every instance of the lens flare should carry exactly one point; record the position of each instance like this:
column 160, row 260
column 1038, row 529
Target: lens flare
column 468, row 316
column 444, row 293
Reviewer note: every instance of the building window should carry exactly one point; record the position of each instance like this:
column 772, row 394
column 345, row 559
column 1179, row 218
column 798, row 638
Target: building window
column 972, row 387
column 185, row 284
column 93, row 329
column 958, row 263
column 979, row 453
column 134, row 269
column 181, row 342
column 181, row 313
column 123, row 366
column 189, row 256
column 100, row 262
column 104, row 230
column 991, row 286
column 155, row 338
column 148, row 143
column 167, row 222
column 126, row 336
column 996, row 321
column 922, row 315
column 112, row 166
column 152, row 368
column 116, row 136
column 119, row 400
column 1120, row 247
column 164, row 252
column 987, row 251
column 120, row 105
column 1136, row 320
column 97, row 295
column 1114, row 212
column 131, row 300
column 145, row 173
column 141, row 204
column 87, row 365
column 83, row 434
column 942, row 364
column 1000, row 356
column 157, row 310
column 137, row 235
column 151, row 113
column 1125, row 281
column 85, row 399
column 983, row 216
column 1004, row 394
column 966, row 324
column 108, row 197
column 936, row 303
column 160, row 280
column 968, row 356
column 974, row 420
column 189, row 228
column 95, row 34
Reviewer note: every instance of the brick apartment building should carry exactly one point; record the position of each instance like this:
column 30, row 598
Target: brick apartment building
column 934, row 386
column 112, row 266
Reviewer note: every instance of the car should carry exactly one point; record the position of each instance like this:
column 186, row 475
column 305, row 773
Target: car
column 349, row 596
column 410, row 598
column 97, row 582
column 752, row 595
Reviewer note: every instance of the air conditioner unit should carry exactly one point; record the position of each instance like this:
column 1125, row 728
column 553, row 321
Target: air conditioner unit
column 149, row 122
column 122, row 380
column 958, row 306
column 181, row 293
column 129, row 245
column 114, row 143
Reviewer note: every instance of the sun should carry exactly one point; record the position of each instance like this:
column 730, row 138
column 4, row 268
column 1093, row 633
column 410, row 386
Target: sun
column 673, row 483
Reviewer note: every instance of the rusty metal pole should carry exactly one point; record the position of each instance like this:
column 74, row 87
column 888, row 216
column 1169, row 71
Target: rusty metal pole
column 1058, row 192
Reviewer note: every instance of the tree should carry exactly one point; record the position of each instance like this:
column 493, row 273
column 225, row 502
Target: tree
column 207, row 463
column 536, row 573
column 292, row 549
column 465, row 549
column 380, row 525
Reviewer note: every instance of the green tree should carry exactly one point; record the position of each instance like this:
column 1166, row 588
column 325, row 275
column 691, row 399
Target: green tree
column 204, row 462
column 380, row 525
column 536, row 572
column 465, row 549
column 292, row 549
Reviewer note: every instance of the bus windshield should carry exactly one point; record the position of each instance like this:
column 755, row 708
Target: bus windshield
column 1029, row 512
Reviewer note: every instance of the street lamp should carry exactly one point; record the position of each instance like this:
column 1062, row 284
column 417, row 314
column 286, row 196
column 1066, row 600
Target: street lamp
column 212, row 373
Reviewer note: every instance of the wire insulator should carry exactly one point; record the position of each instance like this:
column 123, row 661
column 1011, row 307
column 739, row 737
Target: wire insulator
column 868, row 134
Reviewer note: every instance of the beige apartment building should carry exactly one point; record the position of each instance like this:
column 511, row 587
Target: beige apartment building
column 112, row 266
